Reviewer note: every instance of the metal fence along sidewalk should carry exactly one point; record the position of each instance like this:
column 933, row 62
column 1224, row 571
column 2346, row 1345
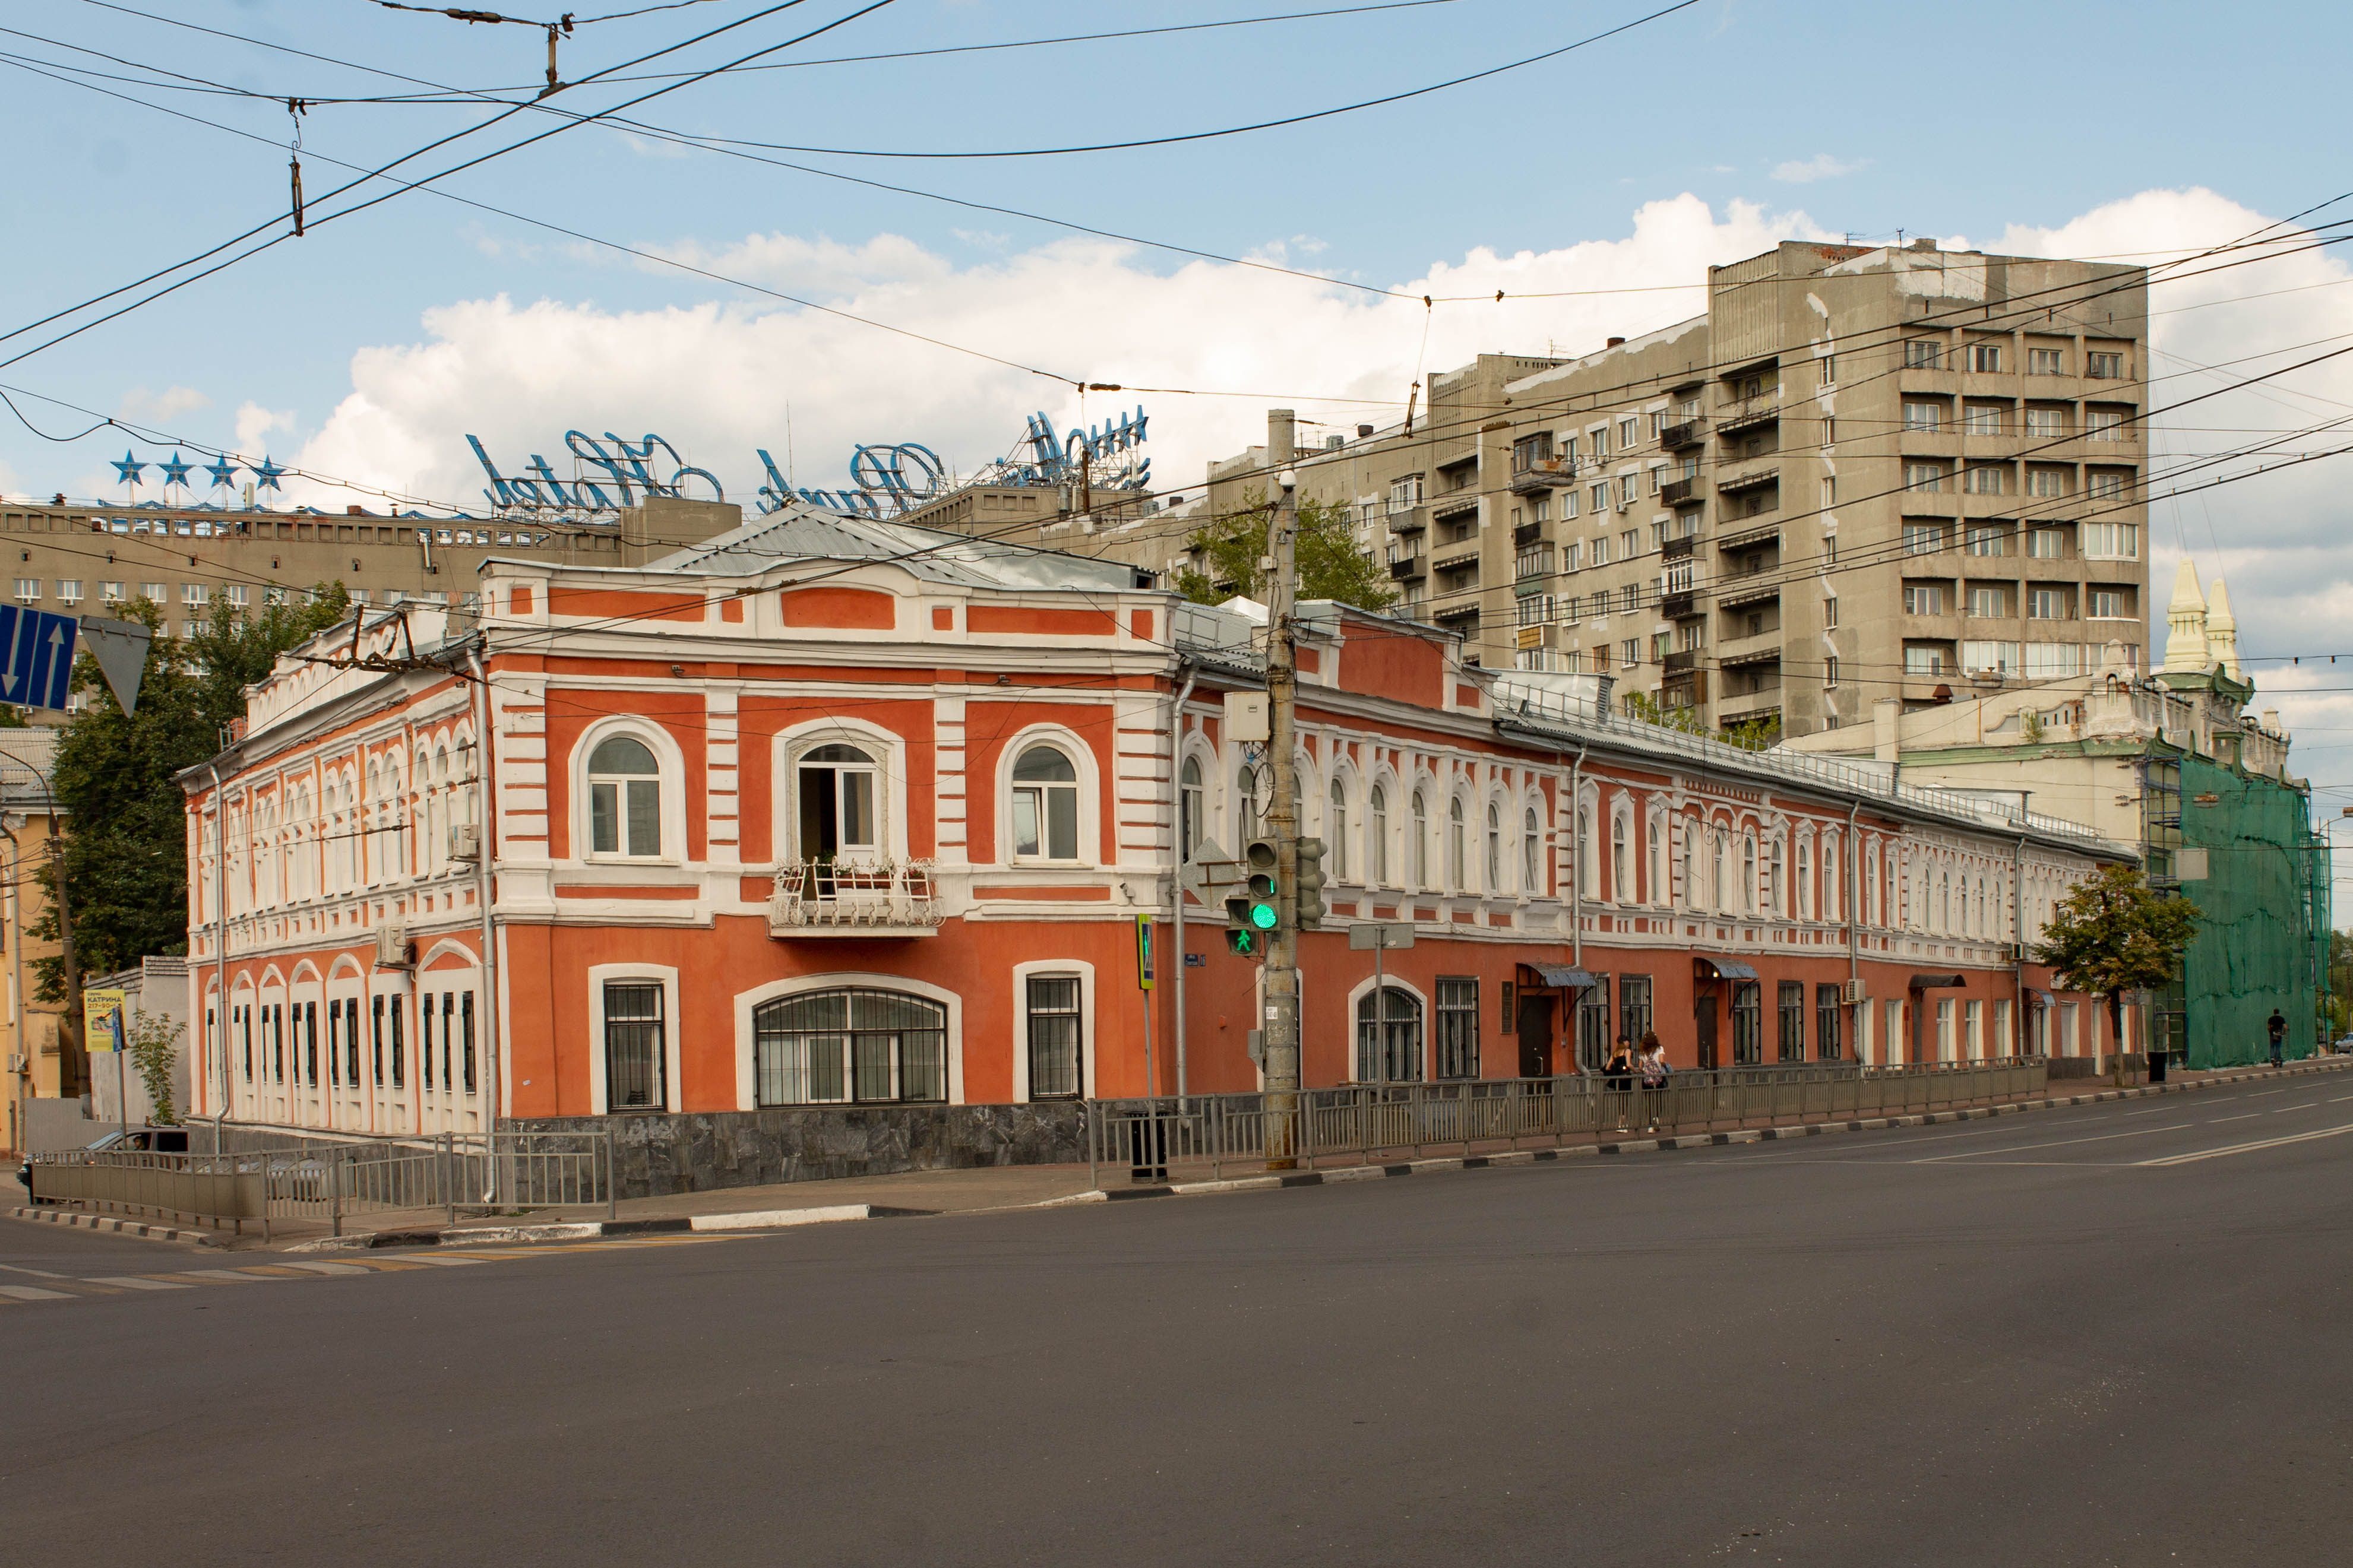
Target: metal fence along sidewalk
column 1360, row 1123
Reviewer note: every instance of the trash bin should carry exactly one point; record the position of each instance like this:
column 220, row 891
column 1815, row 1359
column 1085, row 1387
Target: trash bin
column 2156, row 1067
column 1148, row 1147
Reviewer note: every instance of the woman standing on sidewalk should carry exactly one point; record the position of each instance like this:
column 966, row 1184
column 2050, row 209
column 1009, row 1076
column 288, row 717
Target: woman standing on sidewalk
column 1617, row 1078
column 1655, row 1072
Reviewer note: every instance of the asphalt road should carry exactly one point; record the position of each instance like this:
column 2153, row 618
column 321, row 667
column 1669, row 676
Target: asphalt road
column 2109, row 1335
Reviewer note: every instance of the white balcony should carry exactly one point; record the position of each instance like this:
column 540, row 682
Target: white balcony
column 855, row 897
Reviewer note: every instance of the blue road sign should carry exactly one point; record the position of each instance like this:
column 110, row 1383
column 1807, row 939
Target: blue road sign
column 38, row 671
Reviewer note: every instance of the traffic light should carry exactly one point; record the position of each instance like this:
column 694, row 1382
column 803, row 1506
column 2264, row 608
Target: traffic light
column 1259, row 864
column 1310, row 883
column 1242, row 936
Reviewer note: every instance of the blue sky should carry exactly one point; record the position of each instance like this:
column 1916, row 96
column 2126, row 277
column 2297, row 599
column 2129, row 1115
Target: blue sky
column 371, row 347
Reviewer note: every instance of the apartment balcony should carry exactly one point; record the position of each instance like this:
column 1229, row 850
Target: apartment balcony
column 1742, row 481
column 1685, row 690
column 1681, row 492
column 1683, row 662
column 1733, row 594
column 1749, row 413
column 1748, row 538
column 856, row 898
column 1409, row 567
column 1462, row 555
column 1749, row 653
column 1464, row 503
column 1679, row 607
column 1544, row 476
column 1527, row 534
column 1690, row 433
column 1679, row 549
column 1408, row 519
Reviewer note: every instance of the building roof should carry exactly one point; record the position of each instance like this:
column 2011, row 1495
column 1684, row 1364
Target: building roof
column 804, row 532
column 29, row 761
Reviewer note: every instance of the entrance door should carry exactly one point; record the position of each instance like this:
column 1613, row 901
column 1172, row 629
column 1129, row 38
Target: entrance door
column 1704, row 1028
column 1535, row 1019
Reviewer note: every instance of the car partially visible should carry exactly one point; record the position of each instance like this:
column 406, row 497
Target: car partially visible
column 122, row 1140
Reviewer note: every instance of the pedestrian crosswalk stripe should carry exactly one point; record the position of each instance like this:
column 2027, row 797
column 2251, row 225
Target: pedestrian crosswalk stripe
column 132, row 1282
column 32, row 1293
column 328, row 1267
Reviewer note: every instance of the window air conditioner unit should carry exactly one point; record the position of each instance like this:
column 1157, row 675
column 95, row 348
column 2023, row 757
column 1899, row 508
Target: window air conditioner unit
column 392, row 950
column 465, row 841
column 1854, row 990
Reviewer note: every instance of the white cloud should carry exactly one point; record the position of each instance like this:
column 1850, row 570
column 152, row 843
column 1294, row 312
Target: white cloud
column 1821, row 166
column 254, row 422
column 141, row 408
column 716, row 378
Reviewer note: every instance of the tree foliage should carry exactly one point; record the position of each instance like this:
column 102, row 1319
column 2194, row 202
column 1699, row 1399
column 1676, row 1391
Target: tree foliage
column 1330, row 564
column 125, row 841
column 2113, row 933
column 153, row 1043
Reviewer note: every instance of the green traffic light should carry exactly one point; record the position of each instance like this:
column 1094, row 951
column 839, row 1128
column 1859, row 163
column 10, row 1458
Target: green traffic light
column 1262, row 916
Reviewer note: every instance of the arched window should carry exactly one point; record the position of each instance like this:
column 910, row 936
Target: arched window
column 1045, row 805
column 839, row 815
column 1455, row 846
column 1192, row 810
column 1389, row 1036
column 1336, row 832
column 1621, row 885
column 1495, row 848
column 1584, row 852
column 853, row 1044
column 1420, row 841
column 1749, row 873
column 1718, row 886
column 1655, row 865
column 1691, row 878
column 1531, row 879
column 1377, row 844
column 1944, row 904
column 1961, row 912
column 623, row 798
column 1773, row 882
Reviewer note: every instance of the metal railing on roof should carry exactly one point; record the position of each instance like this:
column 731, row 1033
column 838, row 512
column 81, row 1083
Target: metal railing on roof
column 1801, row 767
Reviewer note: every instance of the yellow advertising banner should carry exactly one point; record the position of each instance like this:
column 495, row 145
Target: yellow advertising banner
column 102, row 1021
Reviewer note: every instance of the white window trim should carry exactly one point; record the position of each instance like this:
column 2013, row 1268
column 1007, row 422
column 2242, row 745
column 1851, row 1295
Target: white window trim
column 749, row 1001
column 785, row 751
column 1089, row 1030
column 668, row 757
column 1082, row 760
column 599, row 974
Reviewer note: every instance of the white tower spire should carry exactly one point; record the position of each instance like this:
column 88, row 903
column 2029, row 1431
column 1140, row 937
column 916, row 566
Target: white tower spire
column 2222, row 632
column 2185, row 623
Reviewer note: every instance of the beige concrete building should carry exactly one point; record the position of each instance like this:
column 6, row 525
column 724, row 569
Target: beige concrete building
column 1864, row 473
column 30, row 1041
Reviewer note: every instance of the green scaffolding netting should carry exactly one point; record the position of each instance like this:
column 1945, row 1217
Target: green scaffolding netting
column 2263, row 938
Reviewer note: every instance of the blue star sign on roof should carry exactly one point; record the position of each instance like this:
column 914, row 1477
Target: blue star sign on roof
column 265, row 474
column 39, row 653
column 176, row 472
column 128, row 469
column 224, row 472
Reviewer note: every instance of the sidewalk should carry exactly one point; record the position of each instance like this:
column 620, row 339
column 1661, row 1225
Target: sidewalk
column 972, row 1191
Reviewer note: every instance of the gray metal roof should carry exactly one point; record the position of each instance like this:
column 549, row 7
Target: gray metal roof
column 29, row 762
column 803, row 533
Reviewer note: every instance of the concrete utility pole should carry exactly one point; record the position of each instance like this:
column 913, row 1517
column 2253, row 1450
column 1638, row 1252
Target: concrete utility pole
column 1282, row 815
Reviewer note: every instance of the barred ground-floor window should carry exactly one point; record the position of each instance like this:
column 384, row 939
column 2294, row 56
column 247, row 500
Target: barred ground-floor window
column 855, row 1043
column 1389, row 1035
column 634, row 1045
column 1747, row 1023
column 1827, row 1046
column 1057, row 1037
column 1458, row 1026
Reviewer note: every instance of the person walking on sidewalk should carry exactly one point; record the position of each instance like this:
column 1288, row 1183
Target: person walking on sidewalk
column 1617, row 1078
column 1655, row 1072
column 2279, row 1036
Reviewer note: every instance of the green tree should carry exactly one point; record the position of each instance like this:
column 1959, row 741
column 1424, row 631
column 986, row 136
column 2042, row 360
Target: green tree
column 1330, row 564
column 153, row 1043
column 1646, row 708
column 125, row 846
column 2113, row 934
column 1756, row 734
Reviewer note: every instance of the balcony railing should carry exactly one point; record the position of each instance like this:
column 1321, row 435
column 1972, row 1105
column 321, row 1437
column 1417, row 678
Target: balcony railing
column 1407, row 518
column 1527, row 534
column 855, row 897
column 1409, row 566
column 1690, row 433
column 1679, row 607
column 1680, row 492
column 1679, row 549
column 1749, row 479
column 1545, row 474
column 1683, row 661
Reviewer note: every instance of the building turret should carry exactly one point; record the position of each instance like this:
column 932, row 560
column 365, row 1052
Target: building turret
column 2185, row 623
column 2221, row 633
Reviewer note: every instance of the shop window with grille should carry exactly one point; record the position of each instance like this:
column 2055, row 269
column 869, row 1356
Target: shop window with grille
column 1828, row 1046
column 1389, row 1036
column 1593, row 1026
column 1458, row 1026
column 1792, row 1041
column 1634, row 1006
column 853, row 1044
column 1057, row 1052
column 1747, row 1023
column 634, row 1045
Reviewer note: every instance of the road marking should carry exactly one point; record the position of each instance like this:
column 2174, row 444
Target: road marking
column 33, row 1293
column 132, row 1282
column 2265, row 1093
column 328, row 1267
column 2054, row 1144
column 2248, row 1117
column 47, row 1274
column 2249, row 1147
column 227, row 1276
column 270, row 1271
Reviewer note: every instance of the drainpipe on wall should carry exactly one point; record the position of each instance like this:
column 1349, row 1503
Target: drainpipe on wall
column 1176, row 881
column 1576, row 866
column 493, row 1079
column 220, row 946
column 2018, row 924
column 1853, row 955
